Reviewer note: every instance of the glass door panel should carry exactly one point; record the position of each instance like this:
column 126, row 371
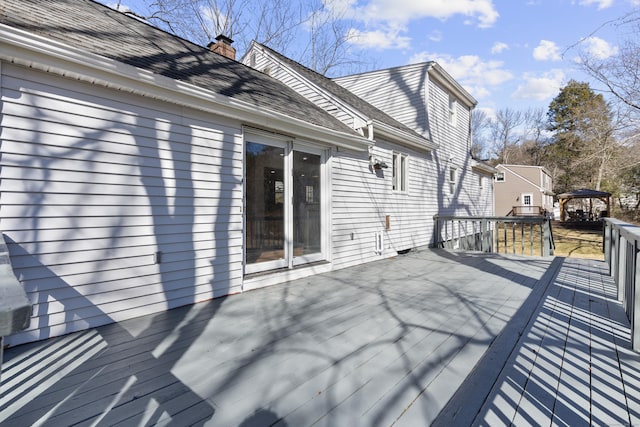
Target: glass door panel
column 307, row 207
column 266, row 196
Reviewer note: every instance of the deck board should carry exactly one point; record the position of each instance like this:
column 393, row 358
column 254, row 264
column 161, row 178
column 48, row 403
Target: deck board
column 386, row 343
column 567, row 368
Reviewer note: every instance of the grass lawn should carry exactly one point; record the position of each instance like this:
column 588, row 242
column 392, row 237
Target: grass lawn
column 578, row 243
column 569, row 242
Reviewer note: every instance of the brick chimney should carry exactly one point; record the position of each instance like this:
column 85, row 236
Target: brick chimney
column 223, row 47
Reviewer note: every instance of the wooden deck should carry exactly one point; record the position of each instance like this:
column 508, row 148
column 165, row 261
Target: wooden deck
column 429, row 337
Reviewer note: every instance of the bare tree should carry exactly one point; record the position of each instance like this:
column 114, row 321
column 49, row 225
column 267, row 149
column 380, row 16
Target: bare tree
column 502, row 130
column 534, row 137
column 312, row 32
column 620, row 73
column 479, row 125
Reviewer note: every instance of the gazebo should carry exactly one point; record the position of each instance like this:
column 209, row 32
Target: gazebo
column 579, row 214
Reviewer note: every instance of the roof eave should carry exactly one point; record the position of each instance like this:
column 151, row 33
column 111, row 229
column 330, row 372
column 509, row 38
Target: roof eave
column 484, row 168
column 32, row 50
column 451, row 84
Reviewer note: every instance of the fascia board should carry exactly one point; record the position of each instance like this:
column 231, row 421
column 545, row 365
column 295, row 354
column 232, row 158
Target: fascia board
column 441, row 76
column 34, row 51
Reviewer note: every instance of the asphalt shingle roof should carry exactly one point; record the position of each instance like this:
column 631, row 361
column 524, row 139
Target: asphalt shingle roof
column 96, row 28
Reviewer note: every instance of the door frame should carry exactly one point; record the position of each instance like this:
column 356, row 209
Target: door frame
column 290, row 144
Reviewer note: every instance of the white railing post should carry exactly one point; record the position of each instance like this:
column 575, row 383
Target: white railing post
column 635, row 302
column 620, row 269
column 613, row 263
column 606, row 243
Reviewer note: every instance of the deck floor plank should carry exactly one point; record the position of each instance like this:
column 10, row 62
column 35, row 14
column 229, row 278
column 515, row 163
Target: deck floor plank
column 386, row 343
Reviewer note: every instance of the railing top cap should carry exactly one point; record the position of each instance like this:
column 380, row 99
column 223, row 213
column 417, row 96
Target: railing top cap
column 628, row 231
column 528, row 218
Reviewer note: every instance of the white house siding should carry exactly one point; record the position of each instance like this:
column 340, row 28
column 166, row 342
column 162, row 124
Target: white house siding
column 362, row 198
column 417, row 100
column 453, row 151
column 399, row 92
column 95, row 182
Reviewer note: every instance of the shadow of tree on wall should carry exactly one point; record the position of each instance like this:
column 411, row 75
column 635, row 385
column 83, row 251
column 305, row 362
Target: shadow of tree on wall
column 114, row 285
column 426, row 115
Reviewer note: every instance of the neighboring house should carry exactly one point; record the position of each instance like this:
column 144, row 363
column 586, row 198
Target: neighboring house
column 141, row 172
column 523, row 190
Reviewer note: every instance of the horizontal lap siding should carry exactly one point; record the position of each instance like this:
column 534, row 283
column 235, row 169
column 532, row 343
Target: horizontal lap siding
column 401, row 93
column 398, row 92
column 361, row 199
column 454, row 151
column 94, row 182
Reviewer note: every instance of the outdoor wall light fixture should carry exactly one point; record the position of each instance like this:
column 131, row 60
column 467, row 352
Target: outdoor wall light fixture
column 380, row 165
column 377, row 163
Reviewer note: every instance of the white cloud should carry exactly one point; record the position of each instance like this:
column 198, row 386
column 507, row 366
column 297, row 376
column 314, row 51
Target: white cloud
column 598, row 48
column 377, row 39
column 540, row 87
column 397, row 13
column 602, row 4
column 547, row 51
column 499, row 47
column 474, row 74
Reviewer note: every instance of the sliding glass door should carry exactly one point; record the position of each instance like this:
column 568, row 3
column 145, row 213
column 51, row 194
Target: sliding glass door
column 284, row 204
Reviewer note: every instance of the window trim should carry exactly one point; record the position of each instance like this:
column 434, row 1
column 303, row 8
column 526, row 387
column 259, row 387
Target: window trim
column 453, row 111
column 500, row 177
column 453, row 179
column 400, row 172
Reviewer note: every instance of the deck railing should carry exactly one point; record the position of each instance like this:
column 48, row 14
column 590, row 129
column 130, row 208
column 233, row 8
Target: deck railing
column 527, row 211
column 529, row 235
column 622, row 253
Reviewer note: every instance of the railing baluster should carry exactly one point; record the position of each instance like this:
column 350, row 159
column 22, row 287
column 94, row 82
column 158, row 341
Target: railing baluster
column 635, row 308
column 531, row 237
column 505, row 237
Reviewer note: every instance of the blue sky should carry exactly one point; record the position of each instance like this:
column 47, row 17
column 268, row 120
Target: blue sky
column 507, row 53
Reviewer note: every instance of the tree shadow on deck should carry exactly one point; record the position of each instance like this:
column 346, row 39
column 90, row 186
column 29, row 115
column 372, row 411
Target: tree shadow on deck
column 572, row 365
column 359, row 346
column 121, row 372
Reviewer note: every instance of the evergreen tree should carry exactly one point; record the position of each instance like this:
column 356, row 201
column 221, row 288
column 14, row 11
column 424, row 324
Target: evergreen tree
column 583, row 142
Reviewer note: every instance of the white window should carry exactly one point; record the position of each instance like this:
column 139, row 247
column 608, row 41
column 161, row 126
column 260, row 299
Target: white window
column 400, row 172
column 453, row 172
column 453, row 107
column 500, row 176
column 527, row 199
column 481, row 184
